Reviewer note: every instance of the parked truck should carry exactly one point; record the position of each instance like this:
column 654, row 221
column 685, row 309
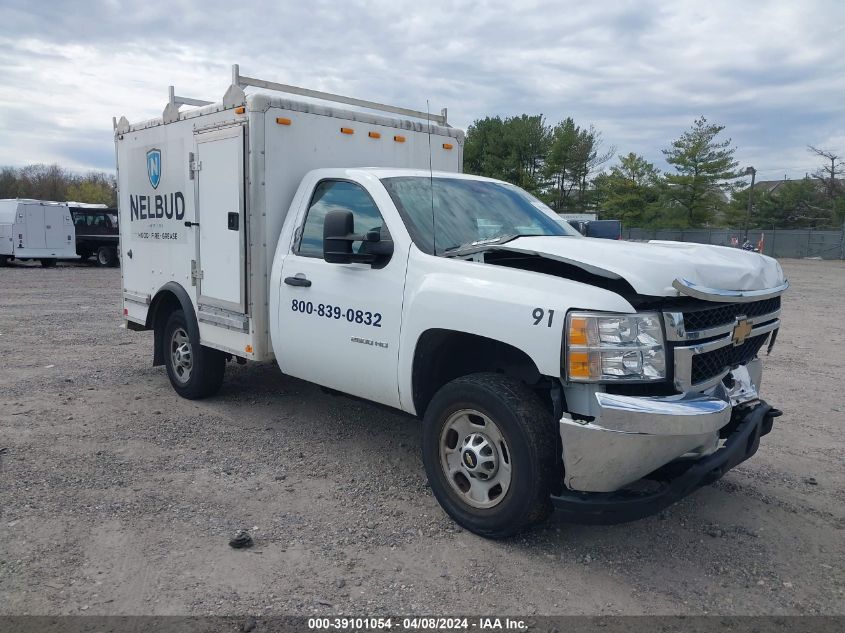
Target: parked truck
column 36, row 230
column 339, row 237
column 97, row 232
column 605, row 229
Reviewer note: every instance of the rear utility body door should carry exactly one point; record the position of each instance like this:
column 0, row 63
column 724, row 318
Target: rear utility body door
column 36, row 234
column 57, row 223
column 219, row 175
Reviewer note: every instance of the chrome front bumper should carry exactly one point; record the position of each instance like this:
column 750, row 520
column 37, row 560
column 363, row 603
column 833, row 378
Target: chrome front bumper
column 634, row 436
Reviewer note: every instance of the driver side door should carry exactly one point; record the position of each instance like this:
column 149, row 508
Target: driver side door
column 339, row 323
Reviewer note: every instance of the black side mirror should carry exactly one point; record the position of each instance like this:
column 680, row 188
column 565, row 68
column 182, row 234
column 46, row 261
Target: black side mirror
column 380, row 248
column 338, row 227
column 339, row 234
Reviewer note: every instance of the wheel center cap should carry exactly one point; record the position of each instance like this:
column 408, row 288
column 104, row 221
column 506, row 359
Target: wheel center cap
column 182, row 355
column 479, row 456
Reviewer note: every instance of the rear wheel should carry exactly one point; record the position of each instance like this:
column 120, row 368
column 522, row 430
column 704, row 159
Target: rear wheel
column 4, row 260
column 106, row 256
column 48, row 262
column 490, row 451
column 195, row 371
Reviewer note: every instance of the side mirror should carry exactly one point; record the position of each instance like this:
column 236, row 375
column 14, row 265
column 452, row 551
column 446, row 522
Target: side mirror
column 338, row 227
column 339, row 234
column 375, row 245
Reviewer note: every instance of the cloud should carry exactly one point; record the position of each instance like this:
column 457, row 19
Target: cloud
column 772, row 73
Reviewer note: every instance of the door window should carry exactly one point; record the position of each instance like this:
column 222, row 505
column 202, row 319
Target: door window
column 338, row 194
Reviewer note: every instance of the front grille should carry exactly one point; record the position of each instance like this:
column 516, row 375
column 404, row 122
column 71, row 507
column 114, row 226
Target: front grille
column 710, row 364
column 725, row 313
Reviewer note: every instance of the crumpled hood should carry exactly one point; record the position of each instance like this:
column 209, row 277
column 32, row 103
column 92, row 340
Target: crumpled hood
column 651, row 267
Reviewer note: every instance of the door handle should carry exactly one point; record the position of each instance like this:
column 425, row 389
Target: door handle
column 189, row 223
column 298, row 281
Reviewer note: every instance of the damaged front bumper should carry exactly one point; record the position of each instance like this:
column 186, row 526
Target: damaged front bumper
column 670, row 444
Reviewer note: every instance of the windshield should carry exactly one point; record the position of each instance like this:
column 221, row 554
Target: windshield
column 467, row 212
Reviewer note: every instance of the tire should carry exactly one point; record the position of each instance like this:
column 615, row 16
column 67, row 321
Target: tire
column 195, row 371
column 529, row 457
column 48, row 262
column 106, row 256
column 4, row 261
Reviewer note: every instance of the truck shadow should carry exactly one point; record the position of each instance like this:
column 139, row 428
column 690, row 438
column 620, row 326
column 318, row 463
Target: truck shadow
column 724, row 541
column 717, row 515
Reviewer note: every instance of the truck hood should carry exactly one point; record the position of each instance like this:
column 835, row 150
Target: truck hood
column 651, row 267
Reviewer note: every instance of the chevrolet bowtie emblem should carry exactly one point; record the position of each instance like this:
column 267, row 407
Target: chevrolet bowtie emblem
column 742, row 330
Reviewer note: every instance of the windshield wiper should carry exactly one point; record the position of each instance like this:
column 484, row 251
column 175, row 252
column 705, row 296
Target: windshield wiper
column 480, row 245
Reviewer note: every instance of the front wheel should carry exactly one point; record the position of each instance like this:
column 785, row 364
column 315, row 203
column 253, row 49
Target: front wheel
column 490, row 451
column 195, row 371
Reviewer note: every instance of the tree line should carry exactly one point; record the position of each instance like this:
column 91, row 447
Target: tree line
column 569, row 167
column 52, row 182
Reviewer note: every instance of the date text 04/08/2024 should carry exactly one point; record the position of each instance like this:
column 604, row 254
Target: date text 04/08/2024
column 417, row 623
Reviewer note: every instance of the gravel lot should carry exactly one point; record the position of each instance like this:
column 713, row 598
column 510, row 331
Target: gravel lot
column 118, row 497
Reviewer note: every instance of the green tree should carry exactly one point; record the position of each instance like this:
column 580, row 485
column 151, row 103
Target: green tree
column 95, row 188
column 52, row 182
column 630, row 191
column 794, row 204
column 512, row 149
column 528, row 139
column 485, row 148
column 702, row 167
column 575, row 153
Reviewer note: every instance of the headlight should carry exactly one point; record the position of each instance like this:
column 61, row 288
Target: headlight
column 614, row 347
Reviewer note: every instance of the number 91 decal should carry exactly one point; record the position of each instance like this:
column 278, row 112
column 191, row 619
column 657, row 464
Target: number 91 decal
column 540, row 317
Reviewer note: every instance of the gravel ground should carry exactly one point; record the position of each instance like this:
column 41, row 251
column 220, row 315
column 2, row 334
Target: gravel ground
column 118, row 497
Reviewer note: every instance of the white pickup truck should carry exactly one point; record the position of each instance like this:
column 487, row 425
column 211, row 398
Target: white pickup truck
column 605, row 379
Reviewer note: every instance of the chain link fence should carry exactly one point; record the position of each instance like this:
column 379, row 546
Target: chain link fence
column 777, row 243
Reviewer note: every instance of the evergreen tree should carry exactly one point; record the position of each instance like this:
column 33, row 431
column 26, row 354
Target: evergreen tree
column 575, row 153
column 630, row 191
column 512, row 149
column 702, row 165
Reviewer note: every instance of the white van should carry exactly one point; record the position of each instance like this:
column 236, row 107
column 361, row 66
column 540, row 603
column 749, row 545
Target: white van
column 36, row 229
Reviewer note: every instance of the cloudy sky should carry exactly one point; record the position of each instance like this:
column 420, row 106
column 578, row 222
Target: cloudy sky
column 772, row 72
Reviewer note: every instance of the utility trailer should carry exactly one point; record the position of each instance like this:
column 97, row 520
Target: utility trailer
column 36, row 229
column 203, row 194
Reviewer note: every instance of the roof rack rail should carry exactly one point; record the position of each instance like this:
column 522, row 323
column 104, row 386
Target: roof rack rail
column 241, row 81
column 172, row 98
column 174, row 102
